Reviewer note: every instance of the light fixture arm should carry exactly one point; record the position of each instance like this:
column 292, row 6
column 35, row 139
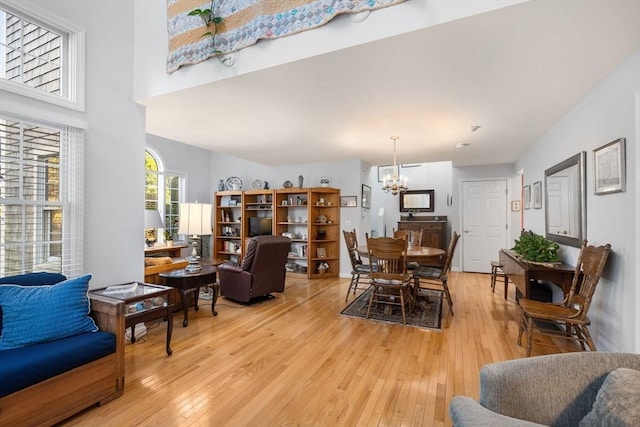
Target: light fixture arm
column 395, row 183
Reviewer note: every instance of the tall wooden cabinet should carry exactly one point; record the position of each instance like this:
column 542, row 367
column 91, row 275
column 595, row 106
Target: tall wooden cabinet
column 310, row 217
column 324, row 232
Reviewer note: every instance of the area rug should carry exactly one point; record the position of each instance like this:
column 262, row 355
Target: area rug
column 426, row 313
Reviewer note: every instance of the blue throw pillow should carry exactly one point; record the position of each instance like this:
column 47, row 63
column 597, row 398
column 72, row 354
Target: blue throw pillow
column 33, row 314
column 31, row 279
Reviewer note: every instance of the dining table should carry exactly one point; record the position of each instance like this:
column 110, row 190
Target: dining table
column 423, row 255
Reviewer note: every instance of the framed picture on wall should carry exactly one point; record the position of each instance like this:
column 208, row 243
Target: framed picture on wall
column 609, row 167
column 537, row 195
column 389, row 170
column 526, row 196
column 349, row 201
column 366, row 197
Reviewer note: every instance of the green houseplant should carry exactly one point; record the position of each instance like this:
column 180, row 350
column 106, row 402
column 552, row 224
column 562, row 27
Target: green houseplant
column 168, row 239
column 211, row 21
column 534, row 247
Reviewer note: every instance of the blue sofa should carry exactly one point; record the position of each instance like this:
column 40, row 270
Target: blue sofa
column 46, row 377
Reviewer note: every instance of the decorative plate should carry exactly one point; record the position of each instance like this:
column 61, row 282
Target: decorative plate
column 233, row 183
column 257, row 184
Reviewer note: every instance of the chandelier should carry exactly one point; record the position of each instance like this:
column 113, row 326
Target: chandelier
column 395, row 183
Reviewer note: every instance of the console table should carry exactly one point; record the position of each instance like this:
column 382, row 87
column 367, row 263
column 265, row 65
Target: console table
column 522, row 273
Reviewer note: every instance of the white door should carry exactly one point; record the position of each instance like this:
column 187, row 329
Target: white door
column 484, row 223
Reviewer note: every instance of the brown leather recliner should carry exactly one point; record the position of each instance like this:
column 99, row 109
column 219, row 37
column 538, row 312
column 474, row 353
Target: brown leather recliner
column 261, row 272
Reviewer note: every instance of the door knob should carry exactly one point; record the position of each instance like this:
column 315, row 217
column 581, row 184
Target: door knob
column 467, row 231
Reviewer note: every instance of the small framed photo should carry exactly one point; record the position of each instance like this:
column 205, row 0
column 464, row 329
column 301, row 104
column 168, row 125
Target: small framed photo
column 389, row 170
column 322, row 253
column 537, row 195
column 349, row 201
column 526, row 196
column 366, row 197
column 515, row 205
column 609, row 167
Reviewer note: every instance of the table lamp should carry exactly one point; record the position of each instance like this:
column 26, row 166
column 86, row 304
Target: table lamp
column 152, row 221
column 195, row 220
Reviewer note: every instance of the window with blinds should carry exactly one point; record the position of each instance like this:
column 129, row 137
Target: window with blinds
column 41, row 198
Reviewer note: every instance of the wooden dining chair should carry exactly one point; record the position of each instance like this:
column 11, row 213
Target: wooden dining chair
column 436, row 278
column 401, row 234
column 359, row 270
column 389, row 278
column 415, row 237
column 567, row 320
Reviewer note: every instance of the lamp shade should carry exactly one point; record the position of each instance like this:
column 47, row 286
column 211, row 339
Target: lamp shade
column 152, row 219
column 195, row 219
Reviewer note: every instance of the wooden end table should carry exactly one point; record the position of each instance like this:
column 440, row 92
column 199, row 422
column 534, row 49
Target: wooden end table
column 190, row 282
column 148, row 293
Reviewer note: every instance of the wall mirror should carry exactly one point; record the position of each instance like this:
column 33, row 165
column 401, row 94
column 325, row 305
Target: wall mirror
column 416, row 201
column 565, row 201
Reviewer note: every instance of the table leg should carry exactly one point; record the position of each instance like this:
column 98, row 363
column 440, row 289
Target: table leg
column 133, row 333
column 215, row 288
column 185, row 307
column 195, row 299
column 169, row 328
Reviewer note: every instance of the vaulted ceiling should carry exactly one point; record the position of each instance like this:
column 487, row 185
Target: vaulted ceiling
column 513, row 71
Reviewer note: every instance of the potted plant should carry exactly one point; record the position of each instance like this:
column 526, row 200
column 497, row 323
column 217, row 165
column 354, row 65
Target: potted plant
column 211, row 21
column 168, row 240
column 535, row 248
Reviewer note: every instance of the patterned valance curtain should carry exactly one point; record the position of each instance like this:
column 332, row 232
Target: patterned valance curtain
column 247, row 21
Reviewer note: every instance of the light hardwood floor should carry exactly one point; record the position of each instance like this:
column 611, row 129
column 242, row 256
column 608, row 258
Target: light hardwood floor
column 295, row 361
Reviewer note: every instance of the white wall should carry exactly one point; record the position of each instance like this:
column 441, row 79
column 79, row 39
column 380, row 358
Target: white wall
column 606, row 114
column 193, row 162
column 114, row 140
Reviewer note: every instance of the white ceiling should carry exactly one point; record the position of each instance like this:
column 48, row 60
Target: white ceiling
column 514, row 71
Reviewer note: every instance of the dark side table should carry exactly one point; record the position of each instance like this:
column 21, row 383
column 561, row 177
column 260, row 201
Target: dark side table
column 147, row 302
column 190, row 282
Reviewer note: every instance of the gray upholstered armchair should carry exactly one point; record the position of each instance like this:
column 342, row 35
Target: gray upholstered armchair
column 554, row 390
column 261, row 271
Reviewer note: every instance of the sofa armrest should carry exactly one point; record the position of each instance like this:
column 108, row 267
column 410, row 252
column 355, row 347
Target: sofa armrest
column 229, row 267
column 109, row 315
column 466, row 412
column 556, row 389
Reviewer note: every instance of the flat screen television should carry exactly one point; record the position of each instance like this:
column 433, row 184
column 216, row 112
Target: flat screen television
column 259, row 226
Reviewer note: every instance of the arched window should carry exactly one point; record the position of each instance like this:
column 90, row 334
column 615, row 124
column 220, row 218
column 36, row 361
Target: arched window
column 163, row 191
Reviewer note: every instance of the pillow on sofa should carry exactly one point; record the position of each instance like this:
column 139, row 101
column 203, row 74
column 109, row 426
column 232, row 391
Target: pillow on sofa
column 617, row 401
column 33, row 314
column 31, row 279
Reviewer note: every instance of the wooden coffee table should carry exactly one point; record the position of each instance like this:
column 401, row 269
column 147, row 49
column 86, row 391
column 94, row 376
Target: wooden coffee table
column 190, row 282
